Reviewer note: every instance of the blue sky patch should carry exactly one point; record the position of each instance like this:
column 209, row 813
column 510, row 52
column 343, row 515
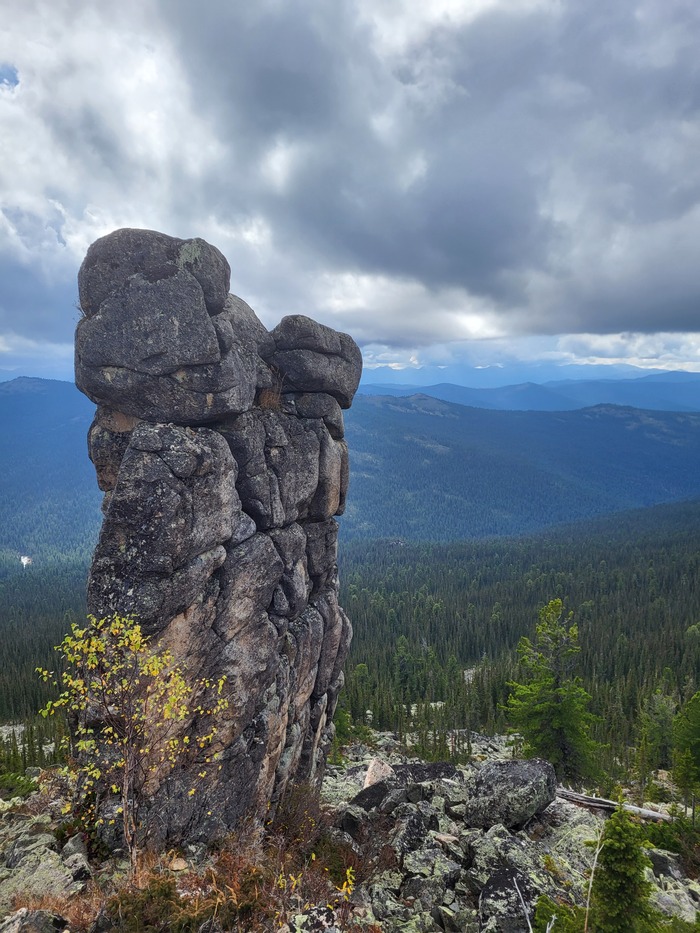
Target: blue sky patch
column 9, row 75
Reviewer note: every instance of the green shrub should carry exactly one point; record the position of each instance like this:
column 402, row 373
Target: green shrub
column 657, row 793
column 568, row 919
column 681, row 837
column 145, row 706
column 347, row 731
column 15, row 785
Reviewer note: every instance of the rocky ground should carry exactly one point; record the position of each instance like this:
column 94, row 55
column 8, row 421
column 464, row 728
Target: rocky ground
column 438, row 847
column 471, row 848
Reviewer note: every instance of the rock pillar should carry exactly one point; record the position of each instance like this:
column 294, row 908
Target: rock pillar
column 219, row 447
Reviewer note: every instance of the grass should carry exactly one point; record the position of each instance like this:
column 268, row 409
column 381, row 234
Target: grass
column 256, row 880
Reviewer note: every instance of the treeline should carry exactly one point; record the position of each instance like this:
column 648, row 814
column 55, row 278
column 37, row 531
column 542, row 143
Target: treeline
column 436, row 626
column 32, row 744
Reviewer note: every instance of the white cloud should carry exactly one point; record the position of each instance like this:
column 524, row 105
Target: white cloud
column 20, row 356
column 647, row 351
column 396, row 25
column 366, row 304
column 424, row 176
column 101, row 126
column 280, row 162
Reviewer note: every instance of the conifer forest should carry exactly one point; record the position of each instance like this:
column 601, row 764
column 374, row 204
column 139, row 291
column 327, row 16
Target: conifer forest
column 437, row 629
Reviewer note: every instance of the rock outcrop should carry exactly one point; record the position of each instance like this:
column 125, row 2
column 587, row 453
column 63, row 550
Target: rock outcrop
column 219, row 446
column 471, row 847
column 428, row 860
column 510, row 793
column 33, row 865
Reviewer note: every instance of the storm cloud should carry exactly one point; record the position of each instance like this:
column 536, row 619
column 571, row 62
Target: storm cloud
column 483, row 170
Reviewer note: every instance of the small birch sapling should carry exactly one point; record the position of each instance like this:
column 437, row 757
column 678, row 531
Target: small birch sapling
column 131, row 710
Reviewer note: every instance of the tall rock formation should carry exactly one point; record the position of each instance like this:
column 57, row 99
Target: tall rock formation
column 219, row 446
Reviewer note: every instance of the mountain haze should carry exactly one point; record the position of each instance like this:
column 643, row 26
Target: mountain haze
column 421, row 468
column 673, row 391
column 427, row 469
column 50, row 498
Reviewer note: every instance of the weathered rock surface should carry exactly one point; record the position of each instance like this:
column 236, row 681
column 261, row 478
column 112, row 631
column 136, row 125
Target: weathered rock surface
column 313, row 358
column 31, row 867
column 33, row 921
column 163, row 340
column 113, row 260
column 510, row 792
column 425, row 870
column 220, row 450
column 443, row 868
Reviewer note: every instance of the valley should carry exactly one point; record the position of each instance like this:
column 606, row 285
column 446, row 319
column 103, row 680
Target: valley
column 462, row 524
column 422, row 469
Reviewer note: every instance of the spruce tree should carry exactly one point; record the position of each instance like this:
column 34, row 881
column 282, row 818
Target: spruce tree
column 550, row 710
column 620, row 891
column 686, row 729
column 686, row 777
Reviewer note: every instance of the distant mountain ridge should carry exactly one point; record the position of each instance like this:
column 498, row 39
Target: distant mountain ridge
column 421, row 468
column 506, row 372
column 673, row 391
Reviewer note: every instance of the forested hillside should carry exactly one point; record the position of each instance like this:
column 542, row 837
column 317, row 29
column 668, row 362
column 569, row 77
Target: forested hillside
column 425, row 613
column 50, row 503
column 421, row 469
column 37, row 605
column 424, row 469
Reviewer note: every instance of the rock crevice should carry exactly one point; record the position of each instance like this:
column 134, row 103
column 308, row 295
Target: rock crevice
column 219, row 447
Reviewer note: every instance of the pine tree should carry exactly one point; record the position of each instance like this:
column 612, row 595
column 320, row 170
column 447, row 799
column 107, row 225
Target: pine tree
column 656, row 723
column 686, row 776
column 551, row 709
column 686, row 739
column 686, row 729
column 14, row 760
column 620, row 891
column 643, row 761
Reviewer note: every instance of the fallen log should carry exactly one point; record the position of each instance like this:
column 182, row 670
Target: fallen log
column 600, row 803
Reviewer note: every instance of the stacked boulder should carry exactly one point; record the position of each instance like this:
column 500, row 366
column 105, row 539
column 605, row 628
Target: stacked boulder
column 219, row 447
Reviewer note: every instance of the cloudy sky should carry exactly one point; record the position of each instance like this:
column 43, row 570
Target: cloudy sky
column 455, row 183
